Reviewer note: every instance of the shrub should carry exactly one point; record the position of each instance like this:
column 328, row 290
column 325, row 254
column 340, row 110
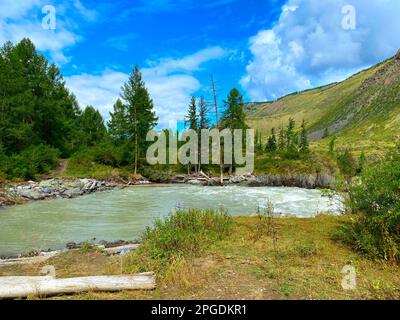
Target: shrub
column 347, row 164
column 305, row 249
column 32, row 161
column 185, row 233
column 375, row 200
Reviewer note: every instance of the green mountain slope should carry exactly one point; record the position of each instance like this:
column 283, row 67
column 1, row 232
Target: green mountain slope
column 362, row 111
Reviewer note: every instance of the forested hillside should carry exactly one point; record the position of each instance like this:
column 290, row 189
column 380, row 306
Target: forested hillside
column 362, row 112
column 41, row 121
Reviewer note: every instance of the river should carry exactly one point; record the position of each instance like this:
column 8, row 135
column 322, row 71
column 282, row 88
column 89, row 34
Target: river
column 124, row 214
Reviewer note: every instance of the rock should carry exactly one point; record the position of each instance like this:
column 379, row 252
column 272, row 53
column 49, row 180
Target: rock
column 46, row 190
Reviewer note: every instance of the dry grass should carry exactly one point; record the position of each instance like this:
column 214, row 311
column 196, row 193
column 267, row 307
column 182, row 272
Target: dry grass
column 306, row 264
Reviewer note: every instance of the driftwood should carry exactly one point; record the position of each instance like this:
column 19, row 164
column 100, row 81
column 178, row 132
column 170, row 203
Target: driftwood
column 44, row 256
column 205, row 176
column 31, row 260
column 22, row 287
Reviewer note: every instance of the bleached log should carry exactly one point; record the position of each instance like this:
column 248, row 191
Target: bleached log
column 31, row 260
column 22, row 287
column 205, row 176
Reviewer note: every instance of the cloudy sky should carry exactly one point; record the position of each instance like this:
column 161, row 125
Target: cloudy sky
column 265, row 48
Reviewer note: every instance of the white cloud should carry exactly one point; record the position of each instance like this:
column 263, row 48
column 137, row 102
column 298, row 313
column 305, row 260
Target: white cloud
column 88, row 14
column 23, row 19
column 308, row 46
column 171, row 83
column 100, row 91
column 189, row 63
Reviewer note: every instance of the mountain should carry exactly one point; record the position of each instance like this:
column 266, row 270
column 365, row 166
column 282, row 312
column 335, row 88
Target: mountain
column 363, row 111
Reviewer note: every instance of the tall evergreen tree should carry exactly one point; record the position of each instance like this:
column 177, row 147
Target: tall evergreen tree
column 118, row 124
column 304, row 145
column 141, row 115
column 191, row 120
column 282, row 140
column 272, row 143
column 36, row 107
column 204, row 122
column 291, row 135
column 234, row 116
column 91, row 127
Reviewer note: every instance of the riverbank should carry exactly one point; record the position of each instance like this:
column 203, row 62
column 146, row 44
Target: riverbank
column 305, row 262
column 306, row 181
column 58, row 188
column 67, row 188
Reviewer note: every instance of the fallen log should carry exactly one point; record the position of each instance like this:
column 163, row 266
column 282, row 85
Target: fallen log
column 44, row 256
column 31, row 260
column 22, row 287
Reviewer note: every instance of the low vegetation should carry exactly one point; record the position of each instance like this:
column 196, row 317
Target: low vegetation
column 374, row 201
column 253, row 258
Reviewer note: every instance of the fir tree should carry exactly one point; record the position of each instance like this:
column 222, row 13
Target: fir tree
column 234, row 116
column 291, row 135
column 304, row 145
column 272, row 143
column 91, row 127
column 282, row 140
column 191, row 119
column 118, row 124
column 141, row 115
column 204, row 122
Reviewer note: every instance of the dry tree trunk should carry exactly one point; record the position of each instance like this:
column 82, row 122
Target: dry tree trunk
column 22, row 287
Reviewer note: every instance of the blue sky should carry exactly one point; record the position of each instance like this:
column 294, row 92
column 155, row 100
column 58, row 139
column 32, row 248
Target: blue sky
column 265, row 48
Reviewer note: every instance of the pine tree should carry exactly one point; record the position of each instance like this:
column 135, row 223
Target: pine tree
column 258, row 141
column 91, row 127
column 234, row 116
column 272, row 143
column 118, row 124
column 290, row 134
column 204, row 122
column 304, row 145
column 191, row 119
column 141, row 115
column 282, row 140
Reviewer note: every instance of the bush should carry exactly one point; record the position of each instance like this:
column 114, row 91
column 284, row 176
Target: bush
column 31, row 162
column 376, row 202
column 185, row 233
column 106, row 153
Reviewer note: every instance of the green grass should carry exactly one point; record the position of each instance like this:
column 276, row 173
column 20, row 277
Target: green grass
column 89, row 169
column 243, row 262
column 311, row 164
